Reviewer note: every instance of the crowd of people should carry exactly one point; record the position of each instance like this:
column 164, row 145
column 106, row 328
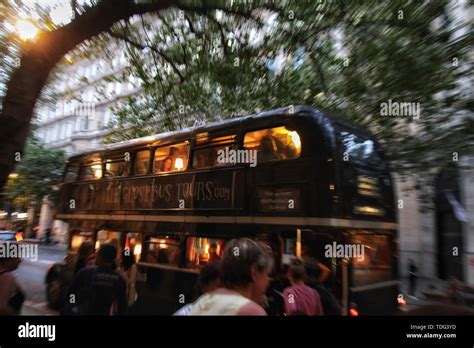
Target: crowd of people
column 240, row 283
column 237, row 282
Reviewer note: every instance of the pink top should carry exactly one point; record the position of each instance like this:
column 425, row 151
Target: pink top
column 302, row 300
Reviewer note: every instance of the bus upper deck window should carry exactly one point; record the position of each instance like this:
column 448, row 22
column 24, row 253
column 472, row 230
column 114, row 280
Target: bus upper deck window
column 72, row 171
column 116, row 167
column 171, row 158
column 211, row 152
column 90, row 172
column 142, row 161
column 277, row 143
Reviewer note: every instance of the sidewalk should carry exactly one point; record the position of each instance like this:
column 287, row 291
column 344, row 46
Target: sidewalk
column 56, row 247
column 423, row 284
column 433, row 285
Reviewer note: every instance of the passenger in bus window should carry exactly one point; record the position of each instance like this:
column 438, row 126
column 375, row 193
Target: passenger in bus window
column 141, row 165
column 289, row 150
column 166, row 165
column 211, row 157
column 174, row 153
column 213, row 255
column 122, row 169
column 244, row 276
column 268, row 149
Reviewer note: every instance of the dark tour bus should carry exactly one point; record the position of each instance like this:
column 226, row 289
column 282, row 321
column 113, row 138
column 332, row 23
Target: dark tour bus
column 319, row 188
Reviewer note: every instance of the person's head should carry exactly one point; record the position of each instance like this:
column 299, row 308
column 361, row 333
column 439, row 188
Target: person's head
column 245, row 265
column 174, row 151
column 208, row 279
column 167, row 164
column 163, row 256
column 10, row 263
column 212, row 248
column 267, row 144
column 296, row 270
column 127, row 259
column 106, row 255
column 85, row 250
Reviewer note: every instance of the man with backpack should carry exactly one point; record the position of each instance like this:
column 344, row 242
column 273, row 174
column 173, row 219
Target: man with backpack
column 99, row 290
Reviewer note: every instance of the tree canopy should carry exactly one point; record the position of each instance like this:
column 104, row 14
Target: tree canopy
column 196, row 61
column 35, row 175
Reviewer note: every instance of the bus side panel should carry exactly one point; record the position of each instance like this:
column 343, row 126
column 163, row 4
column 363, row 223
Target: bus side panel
column 163, row 291
column 376, row 301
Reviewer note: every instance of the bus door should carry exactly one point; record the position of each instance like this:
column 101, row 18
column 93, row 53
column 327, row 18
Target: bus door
column 323, row 269
column 371, row 272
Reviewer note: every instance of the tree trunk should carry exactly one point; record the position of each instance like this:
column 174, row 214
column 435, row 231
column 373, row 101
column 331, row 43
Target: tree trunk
column 38, row 58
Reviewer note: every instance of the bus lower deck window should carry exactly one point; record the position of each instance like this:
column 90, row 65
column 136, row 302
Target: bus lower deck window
column 200, row 251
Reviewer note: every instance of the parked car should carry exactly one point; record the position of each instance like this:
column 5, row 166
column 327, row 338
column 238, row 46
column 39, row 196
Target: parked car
column 7, row 236
column 58, row 280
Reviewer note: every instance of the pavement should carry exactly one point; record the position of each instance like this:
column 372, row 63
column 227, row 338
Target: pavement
column 31, row 275
column 418, row 299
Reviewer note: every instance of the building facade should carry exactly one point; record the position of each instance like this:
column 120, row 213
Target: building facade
column 81, row 118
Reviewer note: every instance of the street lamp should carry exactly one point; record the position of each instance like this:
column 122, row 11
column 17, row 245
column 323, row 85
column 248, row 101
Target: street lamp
column 26, row 29
column 13, row 176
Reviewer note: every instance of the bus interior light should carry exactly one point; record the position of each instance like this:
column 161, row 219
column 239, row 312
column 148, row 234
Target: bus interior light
column 97, row 171
column 179, row 164
column 296, row 139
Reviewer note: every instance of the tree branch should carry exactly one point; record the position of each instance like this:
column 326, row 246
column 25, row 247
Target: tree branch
column 142, row 47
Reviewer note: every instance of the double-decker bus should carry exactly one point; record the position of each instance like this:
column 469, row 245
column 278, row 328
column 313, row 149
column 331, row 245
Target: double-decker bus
column 297, row 179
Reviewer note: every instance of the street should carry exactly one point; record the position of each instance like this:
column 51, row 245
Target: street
column 31, row 275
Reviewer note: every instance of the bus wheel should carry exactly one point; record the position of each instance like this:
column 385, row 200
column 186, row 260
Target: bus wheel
column 53, row 293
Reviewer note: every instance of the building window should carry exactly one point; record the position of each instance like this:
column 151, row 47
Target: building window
column 272, row 144
column 106, row 118
column 94, row 70
column 69, row 129
column 86, row 123
column 171, row 158
column 118, row 88
column 110, row 88
column 77, row 128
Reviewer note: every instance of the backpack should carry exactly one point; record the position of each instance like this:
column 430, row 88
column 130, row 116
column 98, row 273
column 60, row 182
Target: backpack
column 83, row 299
column 331, row 305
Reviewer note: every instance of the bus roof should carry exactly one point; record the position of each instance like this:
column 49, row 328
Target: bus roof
column 324, row 118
